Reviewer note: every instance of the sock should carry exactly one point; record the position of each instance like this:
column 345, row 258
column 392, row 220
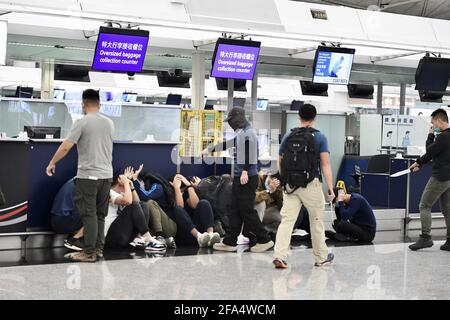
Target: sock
column 159, row 234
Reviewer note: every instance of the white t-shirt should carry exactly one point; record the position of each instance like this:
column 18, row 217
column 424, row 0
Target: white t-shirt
column 112, row 210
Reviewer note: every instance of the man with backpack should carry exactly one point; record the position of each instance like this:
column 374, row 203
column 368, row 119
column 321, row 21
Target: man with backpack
column 303, row 157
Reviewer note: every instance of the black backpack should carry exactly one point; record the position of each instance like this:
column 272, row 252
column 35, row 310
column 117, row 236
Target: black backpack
column 217, row 190
column 300, row 163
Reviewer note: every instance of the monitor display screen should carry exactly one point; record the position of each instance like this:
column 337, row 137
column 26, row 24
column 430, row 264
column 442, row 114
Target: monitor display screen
column 121, row 50
column 24, row 92
column 333, row 65
column 43, row 132
column 58, row 94
column 433, row 74
column 235, row 59
column 129, row 97
column 262, row 104
column 173, row 99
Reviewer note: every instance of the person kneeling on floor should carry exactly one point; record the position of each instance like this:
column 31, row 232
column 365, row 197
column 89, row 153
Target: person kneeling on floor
column 355, row 218
column 65, row 218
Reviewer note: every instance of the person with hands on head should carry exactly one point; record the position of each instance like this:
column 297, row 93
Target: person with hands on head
column 127, row 220
column 355, row 220
column 194, row 217
column 245, row 183
column 438, row 186
column 304, row 188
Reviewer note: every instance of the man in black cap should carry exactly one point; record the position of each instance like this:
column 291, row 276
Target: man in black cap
column 245, row 184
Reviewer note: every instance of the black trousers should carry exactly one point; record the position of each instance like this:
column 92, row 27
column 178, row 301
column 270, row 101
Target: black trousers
column 360, row 233
column 201, row 218
column 133, row 219
column 243, row 211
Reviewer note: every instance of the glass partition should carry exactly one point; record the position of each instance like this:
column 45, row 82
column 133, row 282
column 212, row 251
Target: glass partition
column 135, row 122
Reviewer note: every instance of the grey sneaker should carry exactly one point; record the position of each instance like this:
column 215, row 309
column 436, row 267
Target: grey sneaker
column 423, row 242
column 224, row 247
column 162, row 240
column 262, row 247
column 203, row 240
column 327, row 262
column 214, row 238
column 170, row 242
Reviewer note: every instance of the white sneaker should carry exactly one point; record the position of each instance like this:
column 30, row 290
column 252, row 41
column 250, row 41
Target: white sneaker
column 241, row 240
column 138, row 243
column 262, row 247
column 203, row 240
column 214, row 238
column 224, row 247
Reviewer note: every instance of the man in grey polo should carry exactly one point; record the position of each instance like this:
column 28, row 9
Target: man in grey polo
column 93, row 135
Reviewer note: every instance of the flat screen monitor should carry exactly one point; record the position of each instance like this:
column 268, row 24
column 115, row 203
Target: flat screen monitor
column 43, row 132
column 239, row 85
column 333, row 65
column 109, row 96
column 129, row 97
column 121, row 50
column 239, row 102
column 24, row 92
column 433, row 74
column 262, row 104
column 173, row 99
column 58, row 94
column 235, row 59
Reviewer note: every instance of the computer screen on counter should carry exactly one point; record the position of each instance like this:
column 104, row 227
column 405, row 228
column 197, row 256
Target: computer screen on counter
column 121, row 50
column 262, row 104
column 129, row 97
column 333, row 65
column 235, row 59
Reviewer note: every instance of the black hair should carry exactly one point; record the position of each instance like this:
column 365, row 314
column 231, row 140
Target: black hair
column 307, row 112
column 389, row 132
column 91, row 95
column 440, row 114
column 407, row 132
column 115, row 180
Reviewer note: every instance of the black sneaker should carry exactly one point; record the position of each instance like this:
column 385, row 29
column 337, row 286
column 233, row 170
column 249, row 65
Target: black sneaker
column 423, row 242
column 330, row 234
column 446, row 245
column 74, row 244
column 344, row 238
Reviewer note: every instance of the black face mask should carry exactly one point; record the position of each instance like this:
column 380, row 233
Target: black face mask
column 234, row 123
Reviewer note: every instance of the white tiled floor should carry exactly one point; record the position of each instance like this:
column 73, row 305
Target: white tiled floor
column 383, row 271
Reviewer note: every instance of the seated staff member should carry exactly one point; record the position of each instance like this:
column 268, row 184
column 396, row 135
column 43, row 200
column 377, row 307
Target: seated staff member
column 194, row 217
column 127, row 219
column 65, row 218
column 355, row 218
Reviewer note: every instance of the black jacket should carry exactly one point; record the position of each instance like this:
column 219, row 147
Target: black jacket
column 438, row 150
